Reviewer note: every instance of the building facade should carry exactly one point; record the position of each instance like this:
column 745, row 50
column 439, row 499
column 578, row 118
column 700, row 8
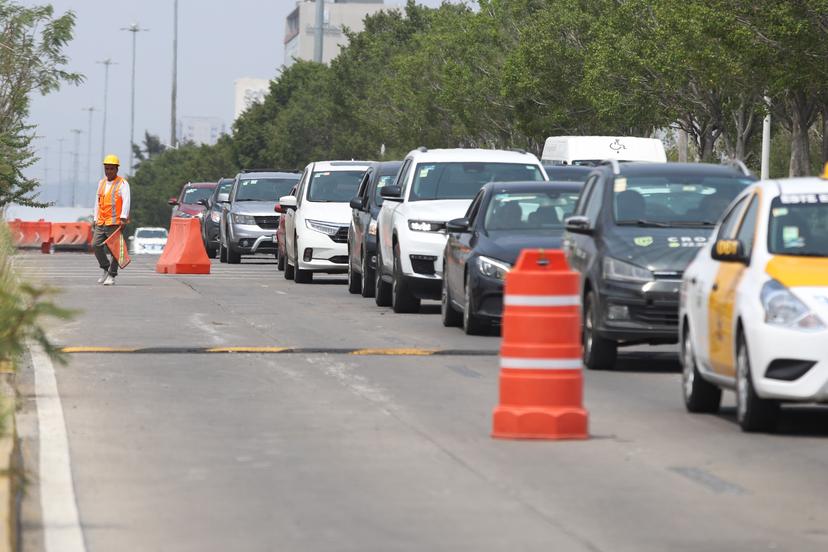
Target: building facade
column 300, row 26
column 200, row 130
column 247, row 92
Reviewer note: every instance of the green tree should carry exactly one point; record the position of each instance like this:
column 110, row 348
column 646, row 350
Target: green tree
column 32, row 41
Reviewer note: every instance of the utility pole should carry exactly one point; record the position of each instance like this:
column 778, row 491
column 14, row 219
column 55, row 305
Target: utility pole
column 173, row 137
column 106, row 63
column 77, row 132
column 766, row 139
column 91, row 110
column 60, row 170
column 134, row 29
column 318, row 31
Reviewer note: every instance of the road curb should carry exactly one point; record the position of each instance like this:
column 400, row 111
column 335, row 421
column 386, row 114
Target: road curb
column 10, row 470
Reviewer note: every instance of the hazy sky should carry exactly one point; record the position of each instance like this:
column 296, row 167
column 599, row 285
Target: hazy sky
column 219, row 41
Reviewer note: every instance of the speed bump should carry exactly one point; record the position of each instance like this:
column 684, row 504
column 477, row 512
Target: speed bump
column 362, row 351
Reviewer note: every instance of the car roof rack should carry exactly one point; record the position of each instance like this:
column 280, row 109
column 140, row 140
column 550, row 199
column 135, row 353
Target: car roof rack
column 616, row 166
column 422, row 149
column 268, row 170
column 350, row 163
column 738, row 164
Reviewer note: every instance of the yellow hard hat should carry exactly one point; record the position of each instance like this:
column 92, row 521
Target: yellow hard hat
column 111, row 160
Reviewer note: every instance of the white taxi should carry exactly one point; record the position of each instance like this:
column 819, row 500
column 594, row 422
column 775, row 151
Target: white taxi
column 754, row 304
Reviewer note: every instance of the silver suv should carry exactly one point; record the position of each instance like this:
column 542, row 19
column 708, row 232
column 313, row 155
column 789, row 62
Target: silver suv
column 249, row 220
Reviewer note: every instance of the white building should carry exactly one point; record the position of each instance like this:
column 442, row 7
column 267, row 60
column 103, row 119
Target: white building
column 301, row 23
column 248, row 92
column 200, row 130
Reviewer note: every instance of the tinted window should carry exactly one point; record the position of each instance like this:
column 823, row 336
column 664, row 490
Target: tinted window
column 151, row 233
column 530, row 211
column 263, row 189
column 224, row 187
column 464, row 180
column 798, row 228
column 334, row 186
column 192, row 195
column 595, row 201
column 672, row 200
column 382, row 182
column 727, row 230
column 747, row 231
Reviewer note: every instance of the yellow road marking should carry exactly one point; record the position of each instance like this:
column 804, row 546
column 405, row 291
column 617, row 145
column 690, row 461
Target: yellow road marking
column 97, row 350
column 394, row 352
column 248, row 349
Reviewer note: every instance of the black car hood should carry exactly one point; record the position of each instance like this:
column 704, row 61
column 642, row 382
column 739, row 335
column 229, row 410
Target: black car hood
column 507, row 245
column 657, row 249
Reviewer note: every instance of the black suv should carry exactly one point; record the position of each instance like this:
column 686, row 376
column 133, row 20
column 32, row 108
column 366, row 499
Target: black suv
column 635, row 229
column 362, row 233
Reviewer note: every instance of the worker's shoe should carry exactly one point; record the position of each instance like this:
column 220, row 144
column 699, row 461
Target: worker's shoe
column 103, row 276
column 109, row 280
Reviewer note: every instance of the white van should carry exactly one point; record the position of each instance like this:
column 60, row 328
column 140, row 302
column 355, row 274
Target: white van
column 591, row 150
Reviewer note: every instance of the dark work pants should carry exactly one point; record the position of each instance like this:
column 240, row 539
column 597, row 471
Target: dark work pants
column 102, row 252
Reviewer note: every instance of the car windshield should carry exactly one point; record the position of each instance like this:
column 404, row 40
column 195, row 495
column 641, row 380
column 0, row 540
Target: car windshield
column 530, row 211
column 224, row 187
column 674, row 201
column 264, row 189
column 384, row 180
column 192, row 195
column 334, row 186
column 799, row 228
column 464, row 180
column 151, row 233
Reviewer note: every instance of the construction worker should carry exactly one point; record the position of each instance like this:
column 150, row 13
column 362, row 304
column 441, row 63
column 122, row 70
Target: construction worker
column 111, row 214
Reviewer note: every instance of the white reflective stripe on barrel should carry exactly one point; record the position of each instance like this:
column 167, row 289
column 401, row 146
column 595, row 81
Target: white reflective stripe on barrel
column 541, row 300
column 541, row 363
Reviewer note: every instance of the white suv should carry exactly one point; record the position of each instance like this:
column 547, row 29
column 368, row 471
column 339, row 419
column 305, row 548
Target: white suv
column 433, row 187
column 317, row 218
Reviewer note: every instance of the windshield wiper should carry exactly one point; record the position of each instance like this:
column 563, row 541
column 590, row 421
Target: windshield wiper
column 704, row 223
column 250, row 199
column 644, row 222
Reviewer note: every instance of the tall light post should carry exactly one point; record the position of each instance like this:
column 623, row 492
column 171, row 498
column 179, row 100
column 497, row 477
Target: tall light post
column 91, row 110
column 318, row 31
column 77, row 132
column 173, row 137
column 134, row 29
column 106, row 63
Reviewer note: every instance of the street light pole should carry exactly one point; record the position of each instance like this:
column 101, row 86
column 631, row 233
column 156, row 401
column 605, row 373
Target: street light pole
column 134, row 29
column 77, row 132
column 91, row 110
column 173, row 137
column 318, row 31
column 106, row 63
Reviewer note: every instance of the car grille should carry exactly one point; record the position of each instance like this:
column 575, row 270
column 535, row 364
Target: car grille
column 341, row 235
column 339, row 259
column 268, row 223
column 655, row 315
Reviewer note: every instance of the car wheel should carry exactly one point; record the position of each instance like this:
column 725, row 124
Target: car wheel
column 472, row 323
column 599, row 353
column 367, row 278
column 448, row 314
column 289, row 268
column 382, row 289
column 354, row 279
column 233, row 256
column 300, row 276
column 280, row 260
column 752, row 412
column 699, row 394
column 212, row 252
column 222, row 253
column 402, row 300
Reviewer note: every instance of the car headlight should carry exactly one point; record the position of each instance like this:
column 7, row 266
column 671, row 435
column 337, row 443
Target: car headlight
column 182, row 214
column 215, row 216
column 426, row 226
column 329, row 228
column 493, row 268
column 783, row 308
column 243, row 219
column 615, row 269
column 200, row 215
column 372, row 228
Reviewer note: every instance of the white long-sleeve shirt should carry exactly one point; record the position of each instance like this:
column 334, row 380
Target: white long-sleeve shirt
column 124, row 214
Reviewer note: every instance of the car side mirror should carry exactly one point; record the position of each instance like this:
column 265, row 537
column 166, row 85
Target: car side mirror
column 223, row 198
column 287, row 203
column 729, row 251
column 278, row 208
column 172, row 201
column 391, row 193
column 356, row 203
column 131, row 238
column 578, row 225
column 458, row 225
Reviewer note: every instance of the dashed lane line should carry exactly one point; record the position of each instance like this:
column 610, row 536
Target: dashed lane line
column 280, row 350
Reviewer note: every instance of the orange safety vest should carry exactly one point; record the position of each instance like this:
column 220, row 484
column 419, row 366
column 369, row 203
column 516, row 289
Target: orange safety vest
column 109, row 204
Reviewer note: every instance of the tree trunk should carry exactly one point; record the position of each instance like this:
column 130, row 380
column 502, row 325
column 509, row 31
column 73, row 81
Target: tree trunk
column 824, row 134
column 800, row 145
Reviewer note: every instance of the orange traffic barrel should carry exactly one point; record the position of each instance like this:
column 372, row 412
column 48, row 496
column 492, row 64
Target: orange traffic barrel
column 184, row 252
column 541, row 376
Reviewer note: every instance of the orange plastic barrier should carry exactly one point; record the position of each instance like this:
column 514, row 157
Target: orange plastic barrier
column 184, row 252
column 541, row 379
column 31, row 234
column 71, row 235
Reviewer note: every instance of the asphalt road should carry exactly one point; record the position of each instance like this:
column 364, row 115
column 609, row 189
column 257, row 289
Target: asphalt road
column 328, row 451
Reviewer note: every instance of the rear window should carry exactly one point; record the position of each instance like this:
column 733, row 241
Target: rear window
column 334, row 186
column 151, row 233
column 264, row 189
column 192, row 195
column 674, row 201
column 530, row 211
column 464, row 180
column 798, row 226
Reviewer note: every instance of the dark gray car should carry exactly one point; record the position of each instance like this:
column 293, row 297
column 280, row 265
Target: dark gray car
column 249, row 220
column 212, row 217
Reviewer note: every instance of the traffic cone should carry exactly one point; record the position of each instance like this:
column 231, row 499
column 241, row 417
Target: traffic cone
column 541, row 379
column 184, row 252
